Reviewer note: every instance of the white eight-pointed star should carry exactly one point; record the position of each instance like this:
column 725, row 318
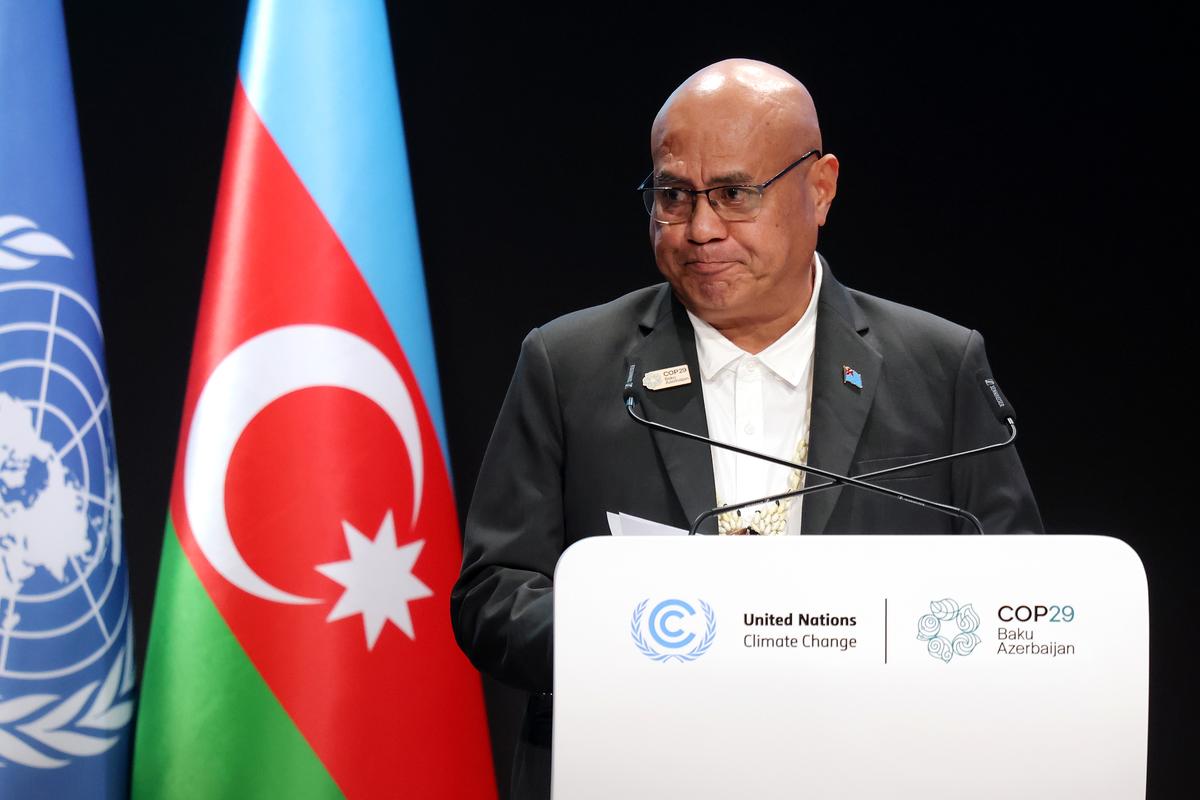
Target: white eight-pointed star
column 378, row 579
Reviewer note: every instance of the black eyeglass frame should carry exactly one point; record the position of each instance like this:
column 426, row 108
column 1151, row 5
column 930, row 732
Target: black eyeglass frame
column 647, row 192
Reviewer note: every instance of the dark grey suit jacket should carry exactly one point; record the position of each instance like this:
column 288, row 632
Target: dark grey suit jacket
column 564, row 452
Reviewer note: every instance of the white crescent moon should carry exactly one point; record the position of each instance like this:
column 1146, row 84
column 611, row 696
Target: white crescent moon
column 249, row 379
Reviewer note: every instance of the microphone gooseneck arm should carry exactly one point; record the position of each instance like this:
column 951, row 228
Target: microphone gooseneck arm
column 712, row 512
column 630, row 399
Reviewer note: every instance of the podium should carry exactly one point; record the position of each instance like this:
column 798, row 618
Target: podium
column 826, row 667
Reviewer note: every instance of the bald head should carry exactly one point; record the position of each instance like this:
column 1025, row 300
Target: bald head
column 745, row 96
column 741, row 124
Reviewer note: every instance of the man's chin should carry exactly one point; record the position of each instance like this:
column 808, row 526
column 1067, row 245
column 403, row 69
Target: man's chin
column 710, row 298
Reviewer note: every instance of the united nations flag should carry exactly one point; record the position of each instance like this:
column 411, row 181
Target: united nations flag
column 66, row 658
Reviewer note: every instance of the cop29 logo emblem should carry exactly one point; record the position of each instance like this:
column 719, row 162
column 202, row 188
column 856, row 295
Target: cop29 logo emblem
column 948, row 629
column 675, row 630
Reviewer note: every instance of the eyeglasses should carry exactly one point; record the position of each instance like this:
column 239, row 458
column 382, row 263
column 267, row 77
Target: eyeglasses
column 741, row 203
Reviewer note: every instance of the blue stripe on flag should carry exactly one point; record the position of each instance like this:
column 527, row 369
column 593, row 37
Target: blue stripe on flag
column 320, row 76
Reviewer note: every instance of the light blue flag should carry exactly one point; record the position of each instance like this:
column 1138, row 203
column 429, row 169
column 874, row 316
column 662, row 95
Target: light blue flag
column 66, row 660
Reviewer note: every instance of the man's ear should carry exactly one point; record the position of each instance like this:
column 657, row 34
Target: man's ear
column 823, row 180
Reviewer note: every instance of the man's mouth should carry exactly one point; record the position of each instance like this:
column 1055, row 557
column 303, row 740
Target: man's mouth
column 708, row 267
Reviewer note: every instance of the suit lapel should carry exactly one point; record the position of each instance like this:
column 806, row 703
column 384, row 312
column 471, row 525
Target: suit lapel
column 839, row 411
column 669, row 342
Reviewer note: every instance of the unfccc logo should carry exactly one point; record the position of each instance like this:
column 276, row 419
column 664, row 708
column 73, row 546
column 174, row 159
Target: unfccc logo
column 674, row 628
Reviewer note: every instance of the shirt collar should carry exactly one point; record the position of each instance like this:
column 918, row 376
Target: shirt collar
column 787, row 356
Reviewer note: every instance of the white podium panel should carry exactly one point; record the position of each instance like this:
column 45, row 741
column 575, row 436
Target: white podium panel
column 850, row 667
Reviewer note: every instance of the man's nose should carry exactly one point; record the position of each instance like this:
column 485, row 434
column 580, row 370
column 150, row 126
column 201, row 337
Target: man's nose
column 705, row 225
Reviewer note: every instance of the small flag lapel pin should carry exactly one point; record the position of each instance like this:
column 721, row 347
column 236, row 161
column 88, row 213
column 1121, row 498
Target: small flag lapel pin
column 850, row 377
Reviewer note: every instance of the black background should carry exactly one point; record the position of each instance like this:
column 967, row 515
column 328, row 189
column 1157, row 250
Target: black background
column 1026, row 173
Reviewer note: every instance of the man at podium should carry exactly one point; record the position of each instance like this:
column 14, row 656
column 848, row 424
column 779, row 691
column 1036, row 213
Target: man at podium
column 751, row 341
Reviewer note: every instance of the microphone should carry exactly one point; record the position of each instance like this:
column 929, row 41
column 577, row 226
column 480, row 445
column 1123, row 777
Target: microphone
column 630, row 397
column 996, row 401
column 995, row 398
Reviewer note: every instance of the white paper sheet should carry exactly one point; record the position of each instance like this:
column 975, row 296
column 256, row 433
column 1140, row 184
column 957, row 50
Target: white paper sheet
column 629, row 525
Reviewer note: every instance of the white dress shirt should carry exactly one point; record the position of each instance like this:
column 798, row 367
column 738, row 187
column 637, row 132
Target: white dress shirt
column 759, row 402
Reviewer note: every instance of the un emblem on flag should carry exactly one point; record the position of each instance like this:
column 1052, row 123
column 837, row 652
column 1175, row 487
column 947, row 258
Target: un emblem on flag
column 66, row 665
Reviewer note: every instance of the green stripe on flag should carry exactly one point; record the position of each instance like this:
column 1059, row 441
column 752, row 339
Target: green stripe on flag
column 208, row 726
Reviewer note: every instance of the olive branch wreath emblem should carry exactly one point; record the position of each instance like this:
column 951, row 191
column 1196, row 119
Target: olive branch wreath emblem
column 22, row 245
column 52, row 721
column 710, row 633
